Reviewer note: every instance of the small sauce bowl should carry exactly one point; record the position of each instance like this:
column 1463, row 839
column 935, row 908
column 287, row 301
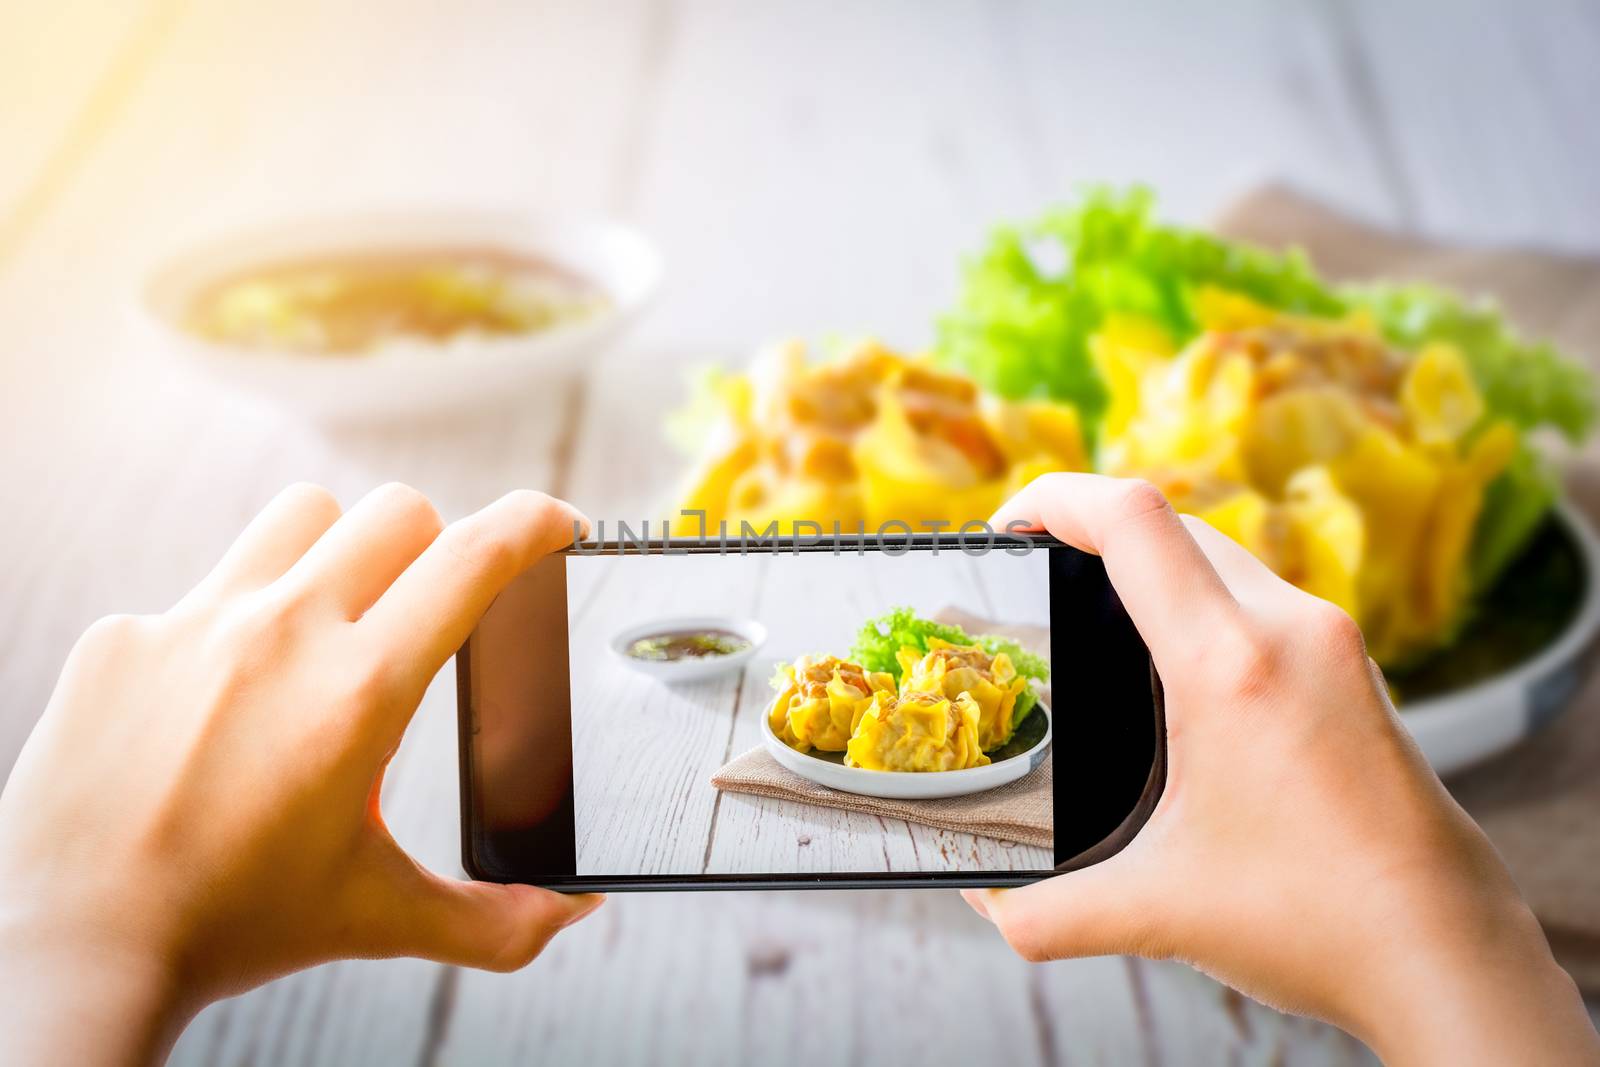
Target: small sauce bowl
column 690, row 668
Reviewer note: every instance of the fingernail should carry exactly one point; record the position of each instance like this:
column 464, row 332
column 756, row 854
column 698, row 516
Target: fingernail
column 974, row 897
column 594, row 901
column 580, row 524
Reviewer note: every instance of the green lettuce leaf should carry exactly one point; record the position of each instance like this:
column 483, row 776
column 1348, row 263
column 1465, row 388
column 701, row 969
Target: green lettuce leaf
column 1034, row 297
column 1031, row 301
column 1027, row 700
column 1514, row 505
column 880, row 638
column 1527, row 384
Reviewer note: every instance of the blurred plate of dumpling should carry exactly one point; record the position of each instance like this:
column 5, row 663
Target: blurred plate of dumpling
column 1372, row 476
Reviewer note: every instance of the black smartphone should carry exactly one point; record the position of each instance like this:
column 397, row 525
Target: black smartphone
column 609, row 684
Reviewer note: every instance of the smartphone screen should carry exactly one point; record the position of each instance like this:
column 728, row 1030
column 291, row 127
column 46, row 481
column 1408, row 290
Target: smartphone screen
column 618, row 730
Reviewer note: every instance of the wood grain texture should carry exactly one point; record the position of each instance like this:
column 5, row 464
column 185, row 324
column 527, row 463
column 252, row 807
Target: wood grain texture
column 807, row 168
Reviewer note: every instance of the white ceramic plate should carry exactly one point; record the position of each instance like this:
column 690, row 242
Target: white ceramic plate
column 690, row 670
column 908, row 785
column 402, row 379
column 1458, row 729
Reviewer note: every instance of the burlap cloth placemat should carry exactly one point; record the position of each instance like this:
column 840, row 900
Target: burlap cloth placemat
column 1540, row 802
column 1017, row 812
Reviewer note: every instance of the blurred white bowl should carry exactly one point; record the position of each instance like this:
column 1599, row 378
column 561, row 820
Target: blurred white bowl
column 696, row 668
column 403, row 378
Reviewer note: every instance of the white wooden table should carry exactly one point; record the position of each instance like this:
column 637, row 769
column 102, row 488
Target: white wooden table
column 807, row 168
column 644, row 752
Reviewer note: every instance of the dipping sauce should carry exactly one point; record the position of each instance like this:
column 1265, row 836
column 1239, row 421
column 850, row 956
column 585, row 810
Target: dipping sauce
column 687, row 644
column 351, row 303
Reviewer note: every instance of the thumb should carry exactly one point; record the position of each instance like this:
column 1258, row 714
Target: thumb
column 488, row 926
column 1098, row 911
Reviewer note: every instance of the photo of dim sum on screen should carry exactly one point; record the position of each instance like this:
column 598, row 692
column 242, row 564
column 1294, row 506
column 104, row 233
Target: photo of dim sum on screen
column 810, row 713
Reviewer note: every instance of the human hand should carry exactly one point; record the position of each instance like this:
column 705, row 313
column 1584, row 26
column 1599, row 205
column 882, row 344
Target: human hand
column 197, row 810
column 1303, row 851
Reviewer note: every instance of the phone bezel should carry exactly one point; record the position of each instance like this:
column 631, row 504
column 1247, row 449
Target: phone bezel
column 1132, row 822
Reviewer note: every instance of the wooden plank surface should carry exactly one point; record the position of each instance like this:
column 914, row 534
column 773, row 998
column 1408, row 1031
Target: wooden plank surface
column 806, row 168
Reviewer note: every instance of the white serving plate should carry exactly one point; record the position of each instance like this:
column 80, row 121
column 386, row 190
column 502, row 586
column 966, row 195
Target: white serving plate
column 402, row 379
column 909, row 785
column 1459, row 729
column 690, row 670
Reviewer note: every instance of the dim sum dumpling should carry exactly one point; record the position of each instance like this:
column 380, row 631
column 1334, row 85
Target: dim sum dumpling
column 916, row 732
column 951, row 670
column 820, row 699
column 870, row 436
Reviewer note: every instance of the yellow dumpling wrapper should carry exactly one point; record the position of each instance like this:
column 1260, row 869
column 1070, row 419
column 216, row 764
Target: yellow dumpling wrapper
column 763, row 495
column 952, row 670
column 1125, row 349
column 1297, row 429
column 917, row 732
column 1440, row 399
column 1395, row 485
column 820, row 699
column 1328, row 539
column 1223, row 309
column 1244, row 515
column 1036, row 432
column 910, row 477
column 1191, row 414
column 1354, row 469
column 866, row 438
column 1443, row 578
